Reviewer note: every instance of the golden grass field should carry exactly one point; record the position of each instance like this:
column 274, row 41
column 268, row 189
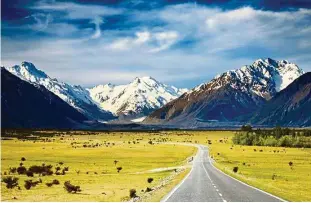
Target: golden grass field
column 267, row 170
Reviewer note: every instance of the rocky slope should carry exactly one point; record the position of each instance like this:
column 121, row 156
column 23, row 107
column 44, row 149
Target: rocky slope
column 289, row 107
column 229, row 96
column 136, row 99
column 24, row 105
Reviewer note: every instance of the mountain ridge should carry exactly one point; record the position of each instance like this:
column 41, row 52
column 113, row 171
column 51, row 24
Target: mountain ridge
column 230, row 95
column 40, row 108
column 137, row 98
column 74, row 95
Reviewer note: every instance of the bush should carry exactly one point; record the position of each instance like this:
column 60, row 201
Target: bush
column 23, row 159
column 133, row 193
column 55, row 182
column 71, row 188
column 149, row 180
column 290, row 163
column 119, row 169
column 10, row 182
column 13, row 170
column 148, row 189
column 44, row 169
column 21, row 170
column 235, row 169
column 29, row 174
column 29, row 184
column 49, row 184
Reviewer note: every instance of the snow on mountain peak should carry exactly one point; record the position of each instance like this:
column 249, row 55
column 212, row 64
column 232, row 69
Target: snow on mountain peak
column 139, row 97
column 74, row 95
column 264, row 77
column 27, row 71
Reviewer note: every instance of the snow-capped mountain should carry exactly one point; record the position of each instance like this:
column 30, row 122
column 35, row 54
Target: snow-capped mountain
column 232, row 94
column 74, row 95
column 264, row 78
column 138, row 98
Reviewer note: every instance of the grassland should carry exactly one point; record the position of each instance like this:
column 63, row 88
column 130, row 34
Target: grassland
column 266, row 168
column 98, row 177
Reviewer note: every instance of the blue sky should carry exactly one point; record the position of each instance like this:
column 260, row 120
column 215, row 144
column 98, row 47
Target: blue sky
column 182, row 43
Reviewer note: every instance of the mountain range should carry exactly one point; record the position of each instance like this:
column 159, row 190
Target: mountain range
column 251, row 94
column 136, row 99
column 232, row 96
column 24, row 105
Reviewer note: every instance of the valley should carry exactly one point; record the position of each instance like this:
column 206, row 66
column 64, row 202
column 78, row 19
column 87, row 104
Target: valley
column 91, row 157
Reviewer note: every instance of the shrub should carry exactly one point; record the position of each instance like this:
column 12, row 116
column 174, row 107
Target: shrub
column 21, row 170
column 10, row 182
column 290, row 163
column 71, row 188
column 29, row 173
column 148, row 189
column 29, row 184
column 119, row 169
column 55, row 182
column 133, row 193
column 13, row 170
column 57, row 168
column 23, row 159
column 44, row 169
column 115, row 162
column 49, row 184
column 149, row 180
column 235, row 169
column 150, row 142
column 61, row 163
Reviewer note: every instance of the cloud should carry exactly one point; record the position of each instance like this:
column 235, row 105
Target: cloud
column 183, row 44
column 41, row 21
column 77, row 11
column 152, row 42
column 164, row 40
column 97, row 22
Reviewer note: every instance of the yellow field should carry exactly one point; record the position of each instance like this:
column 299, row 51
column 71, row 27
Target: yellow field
column 107, row 184
column 266, row 169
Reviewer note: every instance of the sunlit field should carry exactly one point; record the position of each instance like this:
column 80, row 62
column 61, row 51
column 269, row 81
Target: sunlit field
column 94, row 168
column 94, row 159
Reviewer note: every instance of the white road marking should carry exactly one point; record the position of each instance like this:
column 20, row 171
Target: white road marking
column 220, row 194
column 217, row 190
column 224, row 200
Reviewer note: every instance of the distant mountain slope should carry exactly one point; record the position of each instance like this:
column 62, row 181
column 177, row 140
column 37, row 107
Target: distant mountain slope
column 135, row 99
column 230, row 95
column 289, row 107
column 26, row 105
column 74, row 95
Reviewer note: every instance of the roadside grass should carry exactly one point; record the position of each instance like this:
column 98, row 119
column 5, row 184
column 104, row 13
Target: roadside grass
column 267, row 168
column 91, row 168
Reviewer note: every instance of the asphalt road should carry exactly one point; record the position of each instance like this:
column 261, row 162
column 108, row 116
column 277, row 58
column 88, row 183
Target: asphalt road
column 205, row 183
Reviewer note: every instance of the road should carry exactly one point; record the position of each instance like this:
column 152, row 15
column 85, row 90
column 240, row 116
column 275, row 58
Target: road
column 205, row 183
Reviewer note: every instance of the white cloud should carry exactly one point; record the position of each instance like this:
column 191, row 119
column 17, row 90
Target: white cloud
column 174, row 44
column 152, row 42
column 77, row 11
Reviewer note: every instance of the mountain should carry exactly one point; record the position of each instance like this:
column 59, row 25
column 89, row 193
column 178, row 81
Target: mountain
column 136, row 99
column 75, row 95
column 289, row 107
column 25, row 105
column 229, row 96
